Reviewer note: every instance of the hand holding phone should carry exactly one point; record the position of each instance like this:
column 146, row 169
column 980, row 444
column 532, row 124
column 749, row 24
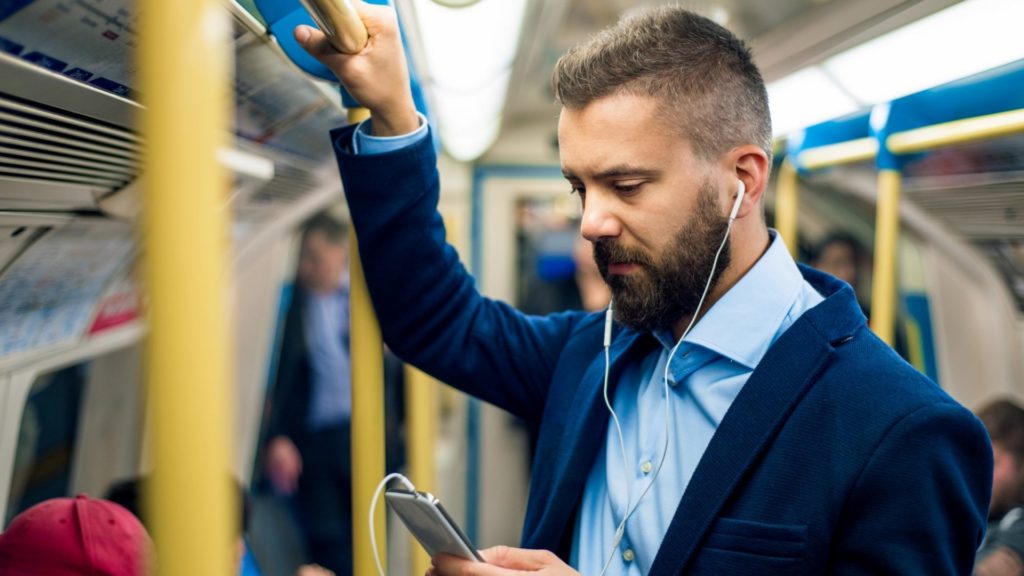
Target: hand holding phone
column 428, row 521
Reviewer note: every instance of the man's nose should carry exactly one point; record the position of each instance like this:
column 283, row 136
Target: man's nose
column 599, row 218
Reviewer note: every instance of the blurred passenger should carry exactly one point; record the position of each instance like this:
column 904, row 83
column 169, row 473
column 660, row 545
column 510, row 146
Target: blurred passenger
column 843, row 256
column 1002, row 551
column 129, row 495
column 307, row 454
column 800, row 445
column 75, row 537
column 545, row 281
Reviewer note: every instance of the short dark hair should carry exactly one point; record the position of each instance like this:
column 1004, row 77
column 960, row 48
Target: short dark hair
column 334, row 230
column 843, row 238
column 703, row 74
column 1004, row 420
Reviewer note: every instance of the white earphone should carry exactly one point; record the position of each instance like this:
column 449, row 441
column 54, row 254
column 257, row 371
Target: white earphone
column 739, row 200
column 631, row 507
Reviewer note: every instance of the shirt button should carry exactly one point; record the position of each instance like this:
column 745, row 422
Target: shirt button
column 628, row 555
column 646, row 467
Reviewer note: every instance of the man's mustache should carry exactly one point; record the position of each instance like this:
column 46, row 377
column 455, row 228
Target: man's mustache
column 607, row 252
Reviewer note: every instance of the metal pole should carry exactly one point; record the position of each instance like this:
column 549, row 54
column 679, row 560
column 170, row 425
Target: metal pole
column 421, row 400
column 184, row 71
column 787, row 205
column 887, row 233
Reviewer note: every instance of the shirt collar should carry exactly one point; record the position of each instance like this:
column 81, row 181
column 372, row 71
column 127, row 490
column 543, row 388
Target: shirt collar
column 744, row 323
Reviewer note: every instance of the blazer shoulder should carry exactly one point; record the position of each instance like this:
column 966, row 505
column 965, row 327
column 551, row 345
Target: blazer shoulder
column 865, row 369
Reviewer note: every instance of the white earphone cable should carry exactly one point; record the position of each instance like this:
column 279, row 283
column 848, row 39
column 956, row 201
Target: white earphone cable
column 373, row 507
column 620, row 531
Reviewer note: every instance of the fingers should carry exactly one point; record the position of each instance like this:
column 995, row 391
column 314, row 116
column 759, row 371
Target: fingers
column 519, row 558
column 378, row 20
column 377, row 76
column 446, row 565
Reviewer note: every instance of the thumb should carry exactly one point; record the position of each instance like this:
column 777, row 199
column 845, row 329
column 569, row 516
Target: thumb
column 313, row 41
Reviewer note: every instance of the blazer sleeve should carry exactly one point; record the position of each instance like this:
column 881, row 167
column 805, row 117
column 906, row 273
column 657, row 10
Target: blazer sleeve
column 920, row 504
column 429, row 309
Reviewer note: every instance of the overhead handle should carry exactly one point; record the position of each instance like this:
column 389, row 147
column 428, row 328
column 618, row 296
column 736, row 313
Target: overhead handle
column 340, row 21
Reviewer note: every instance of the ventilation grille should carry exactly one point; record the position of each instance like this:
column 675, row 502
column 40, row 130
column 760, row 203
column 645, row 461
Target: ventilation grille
column 979, row 212
column 289, row 184
column 44, row 145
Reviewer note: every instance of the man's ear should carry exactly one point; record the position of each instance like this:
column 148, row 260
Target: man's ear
column 750, row 164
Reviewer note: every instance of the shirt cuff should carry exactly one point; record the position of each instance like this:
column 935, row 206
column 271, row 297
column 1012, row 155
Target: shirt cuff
column 365, row 143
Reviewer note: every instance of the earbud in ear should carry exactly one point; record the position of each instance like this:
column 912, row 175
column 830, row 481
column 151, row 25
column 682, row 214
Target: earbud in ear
column 738, row 202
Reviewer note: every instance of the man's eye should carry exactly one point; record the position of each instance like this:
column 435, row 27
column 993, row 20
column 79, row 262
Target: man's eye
column 578, row 190
column 627, row 188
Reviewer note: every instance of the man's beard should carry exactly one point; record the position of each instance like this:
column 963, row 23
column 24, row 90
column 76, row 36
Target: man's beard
column 668, row 288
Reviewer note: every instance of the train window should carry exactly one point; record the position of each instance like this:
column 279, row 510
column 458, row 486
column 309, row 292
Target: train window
column 47, row 439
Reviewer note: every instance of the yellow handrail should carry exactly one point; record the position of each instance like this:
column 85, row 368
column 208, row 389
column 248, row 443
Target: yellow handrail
column 887, row 236
column 956, row 132
column 849, row 152
column 368, row 446
column 344, row 28
column 787, row 205
column 421, row 399
column 185, row 241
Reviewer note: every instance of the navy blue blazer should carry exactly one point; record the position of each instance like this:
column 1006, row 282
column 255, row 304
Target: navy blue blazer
column 837, row 457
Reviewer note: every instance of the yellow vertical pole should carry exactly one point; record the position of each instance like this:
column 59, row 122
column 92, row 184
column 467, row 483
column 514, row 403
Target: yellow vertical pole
column 367, row 407
column 887, row 234
column 421, row 400
column 787, row 204
column 184, row 65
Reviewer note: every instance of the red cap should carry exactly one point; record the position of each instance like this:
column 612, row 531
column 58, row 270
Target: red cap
column 74, row 536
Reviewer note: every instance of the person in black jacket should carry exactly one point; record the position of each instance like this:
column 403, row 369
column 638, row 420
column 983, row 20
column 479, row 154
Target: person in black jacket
column 307, row 452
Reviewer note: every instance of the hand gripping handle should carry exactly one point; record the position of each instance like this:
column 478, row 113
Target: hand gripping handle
column 339, row 20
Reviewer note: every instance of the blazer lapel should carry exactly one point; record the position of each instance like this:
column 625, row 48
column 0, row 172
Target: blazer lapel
column 756, row 415
column 583, row 435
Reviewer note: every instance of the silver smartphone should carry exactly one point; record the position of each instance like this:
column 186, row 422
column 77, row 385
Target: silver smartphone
column 428, row 521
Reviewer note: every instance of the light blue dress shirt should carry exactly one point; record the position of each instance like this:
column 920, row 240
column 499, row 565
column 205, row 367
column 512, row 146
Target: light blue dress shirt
column 705, row 376
column 707, row 373
column 325, row 322
column 364, row 143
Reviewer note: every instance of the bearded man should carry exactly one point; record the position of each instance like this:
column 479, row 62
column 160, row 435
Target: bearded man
column 760, row 427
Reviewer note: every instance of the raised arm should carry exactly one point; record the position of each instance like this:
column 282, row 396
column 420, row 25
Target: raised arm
column 429, row 309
